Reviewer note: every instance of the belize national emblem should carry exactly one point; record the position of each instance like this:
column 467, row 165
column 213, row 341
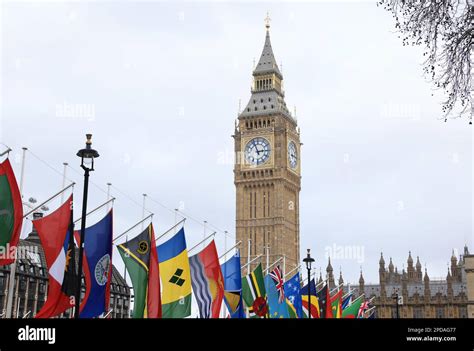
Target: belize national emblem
column 101, row 271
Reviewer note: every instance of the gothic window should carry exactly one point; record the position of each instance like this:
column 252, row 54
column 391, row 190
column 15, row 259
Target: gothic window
column 268, row 205
column 417, row 312
column 440, row 312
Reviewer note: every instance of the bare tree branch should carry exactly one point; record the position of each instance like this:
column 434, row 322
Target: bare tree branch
column 445, row 29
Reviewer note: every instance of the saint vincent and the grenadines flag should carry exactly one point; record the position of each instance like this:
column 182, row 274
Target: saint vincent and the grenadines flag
column 140, row 258
column 254, row 294
column 207, row 281
column 11, row 214
column 233, row 286
column 56, row 235
column 175, row 277
column 97, row 267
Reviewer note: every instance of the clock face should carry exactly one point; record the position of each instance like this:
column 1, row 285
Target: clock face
column 257, row 151
column 292, row 155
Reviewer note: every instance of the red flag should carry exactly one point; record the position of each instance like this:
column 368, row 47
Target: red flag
column 328, row 304
column 11, row 213
column 54, row 231
column 154, row 297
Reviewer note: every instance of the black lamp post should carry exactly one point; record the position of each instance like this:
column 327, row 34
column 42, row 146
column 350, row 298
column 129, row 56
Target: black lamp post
column 309, row 261
column 87, row 156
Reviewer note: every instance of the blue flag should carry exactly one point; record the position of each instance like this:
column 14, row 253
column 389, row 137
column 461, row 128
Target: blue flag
column 346, row 301
column 293, row 294
column 97, row 267
column 233, row 286
column 276, row 309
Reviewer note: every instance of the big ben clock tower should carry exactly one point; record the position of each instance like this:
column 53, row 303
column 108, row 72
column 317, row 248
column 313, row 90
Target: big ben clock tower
column 267, row 170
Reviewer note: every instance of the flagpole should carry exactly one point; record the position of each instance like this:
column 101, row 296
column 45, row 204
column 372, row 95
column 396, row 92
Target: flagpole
column 108, row 194
column 48, row 200
column 233, row 247
column 204, row 235
column 284, row 266
column 162, row 235
column 248, row 263
column 96, row 209
column 64, row 180
column 202, row 242
column 267, row 252
column 133, row 227
column 125, row 266
column 294, row 269
column 11, row 277
column 248, row 253
column 143, row 208
column 266, row 270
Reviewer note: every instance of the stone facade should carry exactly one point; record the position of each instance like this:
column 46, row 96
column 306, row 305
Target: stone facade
column 419, row 296
column 267, row 176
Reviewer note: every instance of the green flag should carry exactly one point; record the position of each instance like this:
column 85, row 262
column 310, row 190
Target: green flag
column 254, row 294
column 11, row 214
column 140, row 258
column 352, row 310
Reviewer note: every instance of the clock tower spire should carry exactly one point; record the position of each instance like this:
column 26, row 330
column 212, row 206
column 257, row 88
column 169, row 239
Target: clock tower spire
column 267, row 168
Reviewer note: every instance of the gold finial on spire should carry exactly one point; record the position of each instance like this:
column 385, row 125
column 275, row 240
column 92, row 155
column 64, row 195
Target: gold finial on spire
column 267, row 21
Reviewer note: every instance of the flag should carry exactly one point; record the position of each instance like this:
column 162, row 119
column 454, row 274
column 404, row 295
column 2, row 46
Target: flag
column 56, row 235
column 346, row 301
column 363, row 307
column 277, row 277
column 336, row 305
column 323, row 300
column 352, row 310
column 140, row 257
column 11, row 214
column 97, row 267
column 254, row 294
column 314, row 299
column 276, row 305
column 233, row 286
column 175, row 277
column 293, row 295
column 207, row 281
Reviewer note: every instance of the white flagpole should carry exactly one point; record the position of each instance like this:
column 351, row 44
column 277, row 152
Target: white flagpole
column 274, row 263
column 204, row 235
column 248, row 263
column 108, row 195
column 267, row 252
column 233, row 247
column 11, row 278
column 143, row 209
column 248, row 253
column 64, row 180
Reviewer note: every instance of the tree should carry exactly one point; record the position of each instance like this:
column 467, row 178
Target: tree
column 445, row 29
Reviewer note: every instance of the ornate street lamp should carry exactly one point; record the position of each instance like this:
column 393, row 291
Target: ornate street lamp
column 87, row 156
column 309, row 261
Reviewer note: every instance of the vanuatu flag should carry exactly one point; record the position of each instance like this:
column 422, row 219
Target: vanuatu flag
column 140, row 258
column 254, row 294
column 11, row 214
column 175, row 277
column 207, row 281
column 97, row 267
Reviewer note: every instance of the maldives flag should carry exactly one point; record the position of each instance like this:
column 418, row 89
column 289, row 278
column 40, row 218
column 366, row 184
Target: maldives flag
column 11, row 214
column 207, row 281
column 97, row 267
column 55, row 232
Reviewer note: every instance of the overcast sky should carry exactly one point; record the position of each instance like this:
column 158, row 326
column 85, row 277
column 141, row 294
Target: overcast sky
column 158, row 85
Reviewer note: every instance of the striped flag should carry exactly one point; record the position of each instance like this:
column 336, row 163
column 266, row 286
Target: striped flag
column 207, row 281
